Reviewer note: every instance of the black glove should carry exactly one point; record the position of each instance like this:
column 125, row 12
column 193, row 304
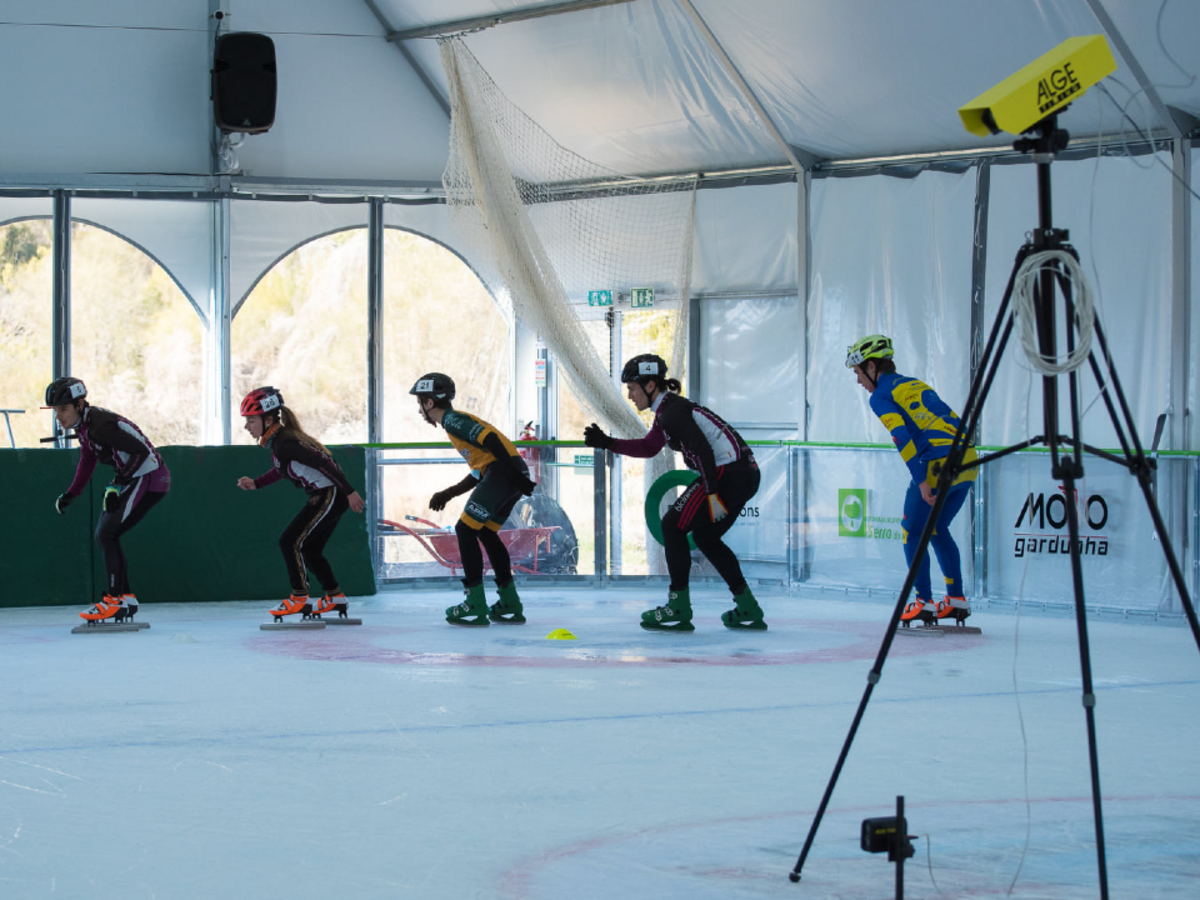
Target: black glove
column 525, row 485
column 112, row 496
column 63, row 501
column 593, row 436
column 439, row 500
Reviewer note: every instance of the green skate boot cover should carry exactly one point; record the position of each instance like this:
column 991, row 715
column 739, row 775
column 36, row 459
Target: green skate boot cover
column 508, row 610
column 746, row 612
column 675, row 616
column 472, row 611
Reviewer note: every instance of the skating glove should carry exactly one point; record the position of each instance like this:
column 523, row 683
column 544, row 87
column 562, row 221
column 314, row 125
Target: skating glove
column 594, row 436
column 112, row 496
column 439, row 500
column 716, row 508
column 63, row 501
column 525, row 485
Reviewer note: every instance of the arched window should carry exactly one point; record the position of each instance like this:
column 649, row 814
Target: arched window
column 303, row 330
column 135, row 338
column 26, row 257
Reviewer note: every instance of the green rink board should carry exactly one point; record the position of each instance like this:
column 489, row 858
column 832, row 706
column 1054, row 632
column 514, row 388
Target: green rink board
column 207, row 540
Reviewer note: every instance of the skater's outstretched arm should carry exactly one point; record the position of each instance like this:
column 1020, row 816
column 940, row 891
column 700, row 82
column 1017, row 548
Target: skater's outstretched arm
column 439, row 500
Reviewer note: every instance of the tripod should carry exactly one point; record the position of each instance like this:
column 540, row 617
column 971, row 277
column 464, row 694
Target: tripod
column 1046, row 140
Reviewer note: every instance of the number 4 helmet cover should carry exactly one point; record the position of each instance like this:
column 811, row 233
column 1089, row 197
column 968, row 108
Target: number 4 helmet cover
column 642, row 367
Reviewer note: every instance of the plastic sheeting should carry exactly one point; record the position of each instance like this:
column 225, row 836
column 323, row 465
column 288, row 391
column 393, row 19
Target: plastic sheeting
column 889, row 256
column 746, row 239
column 1119, row 217
column 750, row 364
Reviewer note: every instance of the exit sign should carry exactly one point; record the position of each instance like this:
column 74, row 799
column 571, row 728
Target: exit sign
column 600, row 298
column 641, row 298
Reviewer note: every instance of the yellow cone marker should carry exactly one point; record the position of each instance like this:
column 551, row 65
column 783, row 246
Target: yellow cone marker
column 560, row 634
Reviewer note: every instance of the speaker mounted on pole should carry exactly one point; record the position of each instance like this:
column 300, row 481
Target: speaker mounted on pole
column 243, row 83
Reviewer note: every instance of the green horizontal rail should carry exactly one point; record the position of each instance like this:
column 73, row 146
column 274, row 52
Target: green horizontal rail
column 822, row 445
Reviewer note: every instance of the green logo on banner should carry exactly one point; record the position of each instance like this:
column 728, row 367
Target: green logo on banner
column 852, row 512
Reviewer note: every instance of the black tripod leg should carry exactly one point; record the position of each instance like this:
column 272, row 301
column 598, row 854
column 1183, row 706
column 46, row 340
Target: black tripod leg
column 1160, row 528
column 1089, row 696
column 873, row 676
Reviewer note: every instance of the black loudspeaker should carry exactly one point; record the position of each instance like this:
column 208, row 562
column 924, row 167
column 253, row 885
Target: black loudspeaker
column 243, row 83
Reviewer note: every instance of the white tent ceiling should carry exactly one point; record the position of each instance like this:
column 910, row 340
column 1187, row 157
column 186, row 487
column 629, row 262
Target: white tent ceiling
column 122, row 87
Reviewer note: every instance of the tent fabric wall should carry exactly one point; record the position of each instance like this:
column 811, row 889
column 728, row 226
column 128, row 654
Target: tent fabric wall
column 14, row 209
column 746, row 239
column 890, row 256
column 176, row 234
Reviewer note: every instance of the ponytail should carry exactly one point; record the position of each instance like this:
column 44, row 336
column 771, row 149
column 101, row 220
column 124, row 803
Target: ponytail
column 672, row 384
column 291, row 424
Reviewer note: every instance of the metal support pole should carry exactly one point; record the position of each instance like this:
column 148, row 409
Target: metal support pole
column 375, row 398
column 600, row 510
column 61, row 315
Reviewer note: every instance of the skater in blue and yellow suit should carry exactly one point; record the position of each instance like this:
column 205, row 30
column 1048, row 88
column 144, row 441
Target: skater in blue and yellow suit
column 922, row 427
column 498, row 479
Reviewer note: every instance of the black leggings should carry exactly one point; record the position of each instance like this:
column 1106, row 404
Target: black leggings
column 472, row 558
column 109, row 529
column 736, row 484
column 304, row 539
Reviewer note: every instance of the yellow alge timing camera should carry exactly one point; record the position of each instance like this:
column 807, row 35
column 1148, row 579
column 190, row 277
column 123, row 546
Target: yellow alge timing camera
column 1040, row 89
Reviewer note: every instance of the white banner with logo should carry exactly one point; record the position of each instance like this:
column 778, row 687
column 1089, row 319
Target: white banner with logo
column 1029, row 550
column 760, row 534
column 853, row 531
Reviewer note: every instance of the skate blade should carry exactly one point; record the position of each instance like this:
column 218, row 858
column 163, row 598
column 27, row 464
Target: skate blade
column 940, row 630
column 346, row 621
column 745, row 626
column 100, row 627
column 480, row 622
column 303, row 625
column 515, row 619
column 684, row 627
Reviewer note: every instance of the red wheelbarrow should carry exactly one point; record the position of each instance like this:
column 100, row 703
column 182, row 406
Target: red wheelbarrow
column 442, row 545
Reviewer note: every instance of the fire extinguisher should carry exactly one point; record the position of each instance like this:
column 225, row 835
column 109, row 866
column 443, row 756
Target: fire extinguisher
column 531, row 455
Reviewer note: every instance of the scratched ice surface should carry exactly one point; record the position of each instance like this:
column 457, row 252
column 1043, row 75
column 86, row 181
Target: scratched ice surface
column 411, row 759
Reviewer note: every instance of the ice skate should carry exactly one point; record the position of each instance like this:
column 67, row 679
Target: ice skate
column 131, row 607
column 916, row 610
column 331, row 603
column 109, row 607
column 472, row 612
column 296, row 603
column 953, row 608
column 508, row 610
column 675, row 616
column 746, row 613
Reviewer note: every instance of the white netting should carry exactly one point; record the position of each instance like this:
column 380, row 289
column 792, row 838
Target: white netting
column 544, row 226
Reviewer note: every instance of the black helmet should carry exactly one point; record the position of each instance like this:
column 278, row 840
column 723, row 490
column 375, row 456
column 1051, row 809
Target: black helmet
column 642, row 367
column 435, row 385
column 65, row 390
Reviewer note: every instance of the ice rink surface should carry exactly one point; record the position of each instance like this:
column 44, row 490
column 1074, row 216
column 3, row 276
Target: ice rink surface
column 408, row 758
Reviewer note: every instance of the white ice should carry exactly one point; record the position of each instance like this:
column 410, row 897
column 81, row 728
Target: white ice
column 407, row 758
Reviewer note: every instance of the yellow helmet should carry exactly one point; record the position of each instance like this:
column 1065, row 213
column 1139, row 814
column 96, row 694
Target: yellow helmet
column 873, row 346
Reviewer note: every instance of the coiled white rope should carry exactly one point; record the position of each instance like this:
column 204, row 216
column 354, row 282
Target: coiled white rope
column 1024, row 285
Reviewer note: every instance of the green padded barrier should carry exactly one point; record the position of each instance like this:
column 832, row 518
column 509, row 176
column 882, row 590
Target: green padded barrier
column 45, row 559
column 208, row 540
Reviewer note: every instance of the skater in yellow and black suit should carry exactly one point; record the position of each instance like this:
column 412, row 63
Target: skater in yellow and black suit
column 922, row 427
column 304, row 461
column 498, row 479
